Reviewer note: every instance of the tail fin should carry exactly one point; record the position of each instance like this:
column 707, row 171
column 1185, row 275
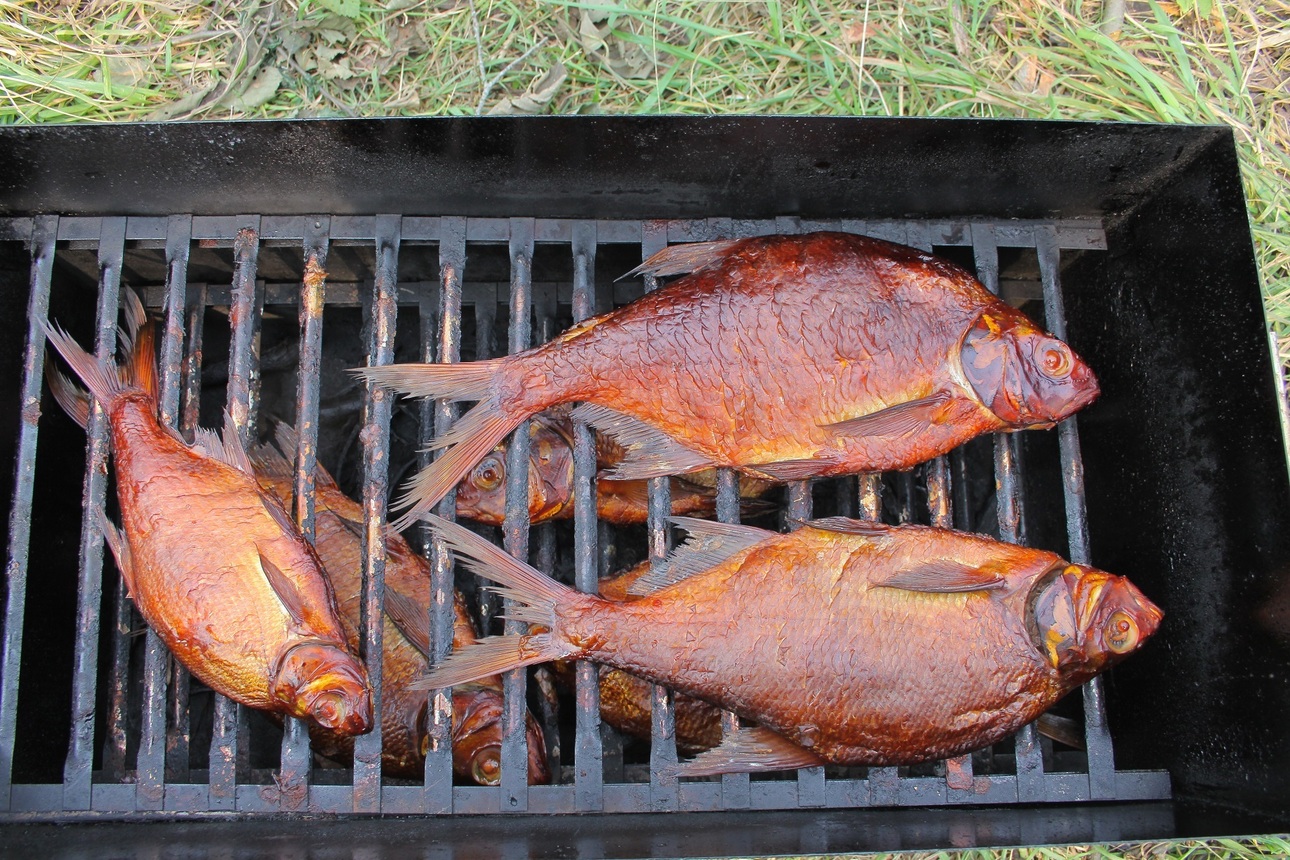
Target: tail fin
column 100, row 377
column 536, row 596
column 74, row 399
column 472, row 380
column 142, row 361
column 477, row 433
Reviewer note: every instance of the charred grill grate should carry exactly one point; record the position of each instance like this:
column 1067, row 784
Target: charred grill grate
column 132, row 719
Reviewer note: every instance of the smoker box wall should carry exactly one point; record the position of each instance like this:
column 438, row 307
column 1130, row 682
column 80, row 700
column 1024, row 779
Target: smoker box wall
column 1184, row 462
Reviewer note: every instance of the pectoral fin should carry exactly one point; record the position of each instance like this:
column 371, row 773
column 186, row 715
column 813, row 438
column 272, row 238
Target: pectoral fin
column 945, row 577
column 412, row 620
column 291, row 598
column 899, row 420
column 750, row 750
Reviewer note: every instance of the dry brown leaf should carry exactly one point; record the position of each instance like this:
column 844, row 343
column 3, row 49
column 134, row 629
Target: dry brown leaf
column 536, row 97
column 853, row 34
column 1030, row 77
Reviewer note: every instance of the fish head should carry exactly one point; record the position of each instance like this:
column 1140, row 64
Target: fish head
column 1022, row 374
column 481, row 495
column 323, row 682
column 1085, row 620
column 477, row 737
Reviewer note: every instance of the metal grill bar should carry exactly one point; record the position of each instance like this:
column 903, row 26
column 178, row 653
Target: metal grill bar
column 664, row 786
column 735, row 787
column 227, row 743
column 515, row 794
column 77, row 772
column 588, row 755
column 376, row 482
column 151, row 764
column 1097, row 734
column 438, row 795
column 43, row 231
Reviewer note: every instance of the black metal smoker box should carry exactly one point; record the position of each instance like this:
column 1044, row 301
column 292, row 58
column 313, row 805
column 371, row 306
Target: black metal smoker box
column 462, row 238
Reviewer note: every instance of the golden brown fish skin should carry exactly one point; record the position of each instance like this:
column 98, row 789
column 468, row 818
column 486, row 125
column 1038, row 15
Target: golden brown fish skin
column 780, row 356
column 477, row 707
column 830, row 636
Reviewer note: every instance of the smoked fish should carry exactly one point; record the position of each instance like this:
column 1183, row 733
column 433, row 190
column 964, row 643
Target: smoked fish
column 476, row 706
column 215, row 566
column 786, row 357
column 847, row 642
column 481, row 495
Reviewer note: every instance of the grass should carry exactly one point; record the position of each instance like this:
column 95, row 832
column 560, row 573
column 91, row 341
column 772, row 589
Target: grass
column 1249, row 848
column 1197, row 61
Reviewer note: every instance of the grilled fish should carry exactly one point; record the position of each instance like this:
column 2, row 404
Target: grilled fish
column 215, row 566
column 476, row 706
column 847, row 642
column 481, row 495
column 786, row 357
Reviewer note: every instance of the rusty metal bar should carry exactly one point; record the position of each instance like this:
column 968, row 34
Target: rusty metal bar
column 44, row 231
column 1097, row 733
column 883, row 782
column 292, row 781
column 515, row 528
column 735, row 787
column 810, row 780
column 440, row 415
column 80, row 755
column 150, row 790
column 244, row 309
column 178, row 728
column 375, row 437
column 588, row 754
column 1030, row 761
column 664, row 786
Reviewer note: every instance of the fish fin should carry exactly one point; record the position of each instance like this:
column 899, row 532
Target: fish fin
column 536, row 595
column 707, row 545
column 140, row 341
column 472, row 437
column 792, row 470
column 683, row 259
column 270, row 462
column 490, row 656
column 647, row 452
column 288, row 441
column 354, row 527
column 226, row 447
column 749, row 750
column 74, row 399
column 899, row 420
column 1064, row 730
column 286, row 590
column 413, row 621
column 848, row 526
column 100, row 377
column 274, row 507
column 472, row 380
column 945, row 577
column 120, row 551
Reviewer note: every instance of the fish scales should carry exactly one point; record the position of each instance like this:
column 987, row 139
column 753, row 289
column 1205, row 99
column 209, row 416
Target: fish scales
column 851, row 642
column 786, row 357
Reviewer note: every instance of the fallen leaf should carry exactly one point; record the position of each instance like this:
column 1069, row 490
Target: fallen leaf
column 294, row 39
column 129, row 71
column 347, row 8
column 855, row 33
column 261, row 90
column 537, row 96
column 1030, row 77
column 591, row 36
column 181, row 106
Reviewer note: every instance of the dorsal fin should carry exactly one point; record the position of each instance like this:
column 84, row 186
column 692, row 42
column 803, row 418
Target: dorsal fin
column 707, row 545
column 848, row 526
column 683, row 259
column 289, row 442
column 226, row 447
column 945, row 576
column 412, row 621
column 647, row 452
column 291, row 598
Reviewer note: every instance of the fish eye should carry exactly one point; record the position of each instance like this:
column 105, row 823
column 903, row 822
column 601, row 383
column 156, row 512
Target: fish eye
column 488, row 474
column 1055, row 360
column 486, row 767
column 1120, row 632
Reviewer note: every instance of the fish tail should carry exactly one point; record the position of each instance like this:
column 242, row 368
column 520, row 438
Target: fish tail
column 471, row 438
column 101, row 378
column 472, row 380
column 74, row 399
column 535, row 597
column 141, row 340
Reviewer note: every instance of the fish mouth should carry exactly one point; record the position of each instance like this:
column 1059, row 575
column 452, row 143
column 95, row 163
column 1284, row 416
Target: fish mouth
column 321, row 682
